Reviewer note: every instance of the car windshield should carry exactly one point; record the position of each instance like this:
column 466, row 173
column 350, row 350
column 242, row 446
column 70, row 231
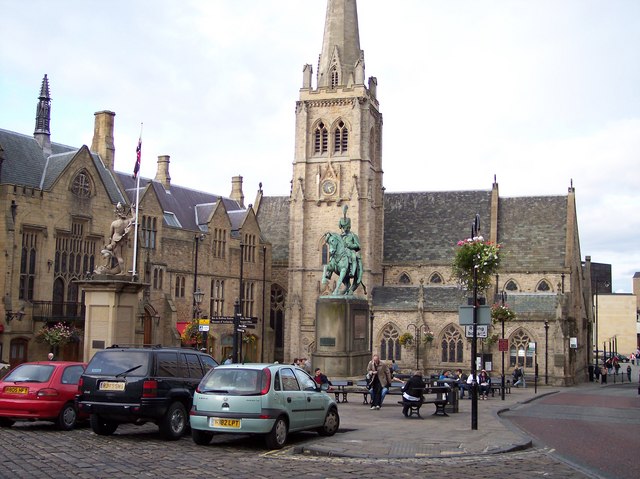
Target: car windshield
column 119, row 363
column 31, row 373
column 235, row 382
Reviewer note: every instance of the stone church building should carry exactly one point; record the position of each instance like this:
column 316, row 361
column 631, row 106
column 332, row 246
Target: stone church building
column 58, row 204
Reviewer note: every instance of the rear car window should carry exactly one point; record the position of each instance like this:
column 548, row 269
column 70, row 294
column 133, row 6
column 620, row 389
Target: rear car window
column 234, row 382
column 114, row 363
column 32, row 373
column 72, row 374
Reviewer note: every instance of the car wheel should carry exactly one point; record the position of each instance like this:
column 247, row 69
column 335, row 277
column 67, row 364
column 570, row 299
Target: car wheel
column 174, row 423
column 277, row 438
column 4, row 422
column 67, row 417
column 331, row 423
column 102, row 427
column 201, row 438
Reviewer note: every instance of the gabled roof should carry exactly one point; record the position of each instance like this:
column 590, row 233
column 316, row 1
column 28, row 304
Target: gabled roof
column 192, row 208
column 425, row 226
column 273, row 217
column 25, row 165
column 533, row 232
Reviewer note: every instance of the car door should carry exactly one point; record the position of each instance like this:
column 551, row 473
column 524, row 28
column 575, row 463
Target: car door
column 315, row 400
column 294, row 399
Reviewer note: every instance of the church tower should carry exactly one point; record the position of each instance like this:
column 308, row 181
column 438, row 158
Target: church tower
column 338, row 162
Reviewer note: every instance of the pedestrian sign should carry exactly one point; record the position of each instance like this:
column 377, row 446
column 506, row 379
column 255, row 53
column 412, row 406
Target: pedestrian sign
column 482, row 331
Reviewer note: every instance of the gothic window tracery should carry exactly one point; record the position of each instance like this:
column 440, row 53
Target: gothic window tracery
column 519, row 352
column 543, row 286
column 511, row 286
column 436, row 278
column 451, row 345
column 404, row 279
column 390, row 347
column 81, row 185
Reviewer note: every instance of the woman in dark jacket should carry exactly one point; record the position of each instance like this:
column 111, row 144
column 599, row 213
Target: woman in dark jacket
column 412, row 391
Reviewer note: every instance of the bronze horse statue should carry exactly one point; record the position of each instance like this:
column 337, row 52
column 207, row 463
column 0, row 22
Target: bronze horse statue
column 344, row 262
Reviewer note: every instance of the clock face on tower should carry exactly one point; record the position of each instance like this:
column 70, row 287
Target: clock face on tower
column 328, row 187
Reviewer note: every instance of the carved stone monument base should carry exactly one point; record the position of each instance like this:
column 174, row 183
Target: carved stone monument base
column 342, row 336
column 111, row 313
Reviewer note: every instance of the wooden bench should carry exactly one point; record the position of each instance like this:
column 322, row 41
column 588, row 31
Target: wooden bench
column 440, row 401
column 338, row 388
column 497, row 386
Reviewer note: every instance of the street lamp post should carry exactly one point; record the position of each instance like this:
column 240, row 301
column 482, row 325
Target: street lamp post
column 546, row 352
column 198, row 294
column 503, row 300
column 419, row 331
column 475, row 229
column 371, row 318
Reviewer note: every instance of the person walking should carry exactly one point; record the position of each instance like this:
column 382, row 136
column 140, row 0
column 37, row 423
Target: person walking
column 629, row 372
column 381, row 376
column 603, row 374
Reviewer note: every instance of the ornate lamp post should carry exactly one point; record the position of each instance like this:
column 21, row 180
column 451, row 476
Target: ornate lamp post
column 197, row 292
column 419, row 330
column 546, row 352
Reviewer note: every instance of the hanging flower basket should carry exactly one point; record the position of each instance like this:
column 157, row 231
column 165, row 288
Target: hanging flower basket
column 58, row 335
column 406, row 339
column 476, row 254
column 428, row 337
column 491, row 340
column 502, row 312
column 249, row 339
column 191, row 334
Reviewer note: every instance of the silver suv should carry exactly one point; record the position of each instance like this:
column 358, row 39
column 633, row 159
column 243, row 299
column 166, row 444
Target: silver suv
column 268, row 399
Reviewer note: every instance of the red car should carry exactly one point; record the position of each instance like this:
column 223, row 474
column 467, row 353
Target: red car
column 42, row 391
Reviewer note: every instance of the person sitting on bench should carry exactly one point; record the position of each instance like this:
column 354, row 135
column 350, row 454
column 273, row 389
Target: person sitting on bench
column 412, row 393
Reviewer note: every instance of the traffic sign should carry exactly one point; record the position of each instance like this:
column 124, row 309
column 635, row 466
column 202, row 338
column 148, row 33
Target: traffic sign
column 503, row 345
column 203, row 327
column 203, row 321
column 482, row 331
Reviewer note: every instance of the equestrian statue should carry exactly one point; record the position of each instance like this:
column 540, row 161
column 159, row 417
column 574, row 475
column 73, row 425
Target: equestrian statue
column 344, row 258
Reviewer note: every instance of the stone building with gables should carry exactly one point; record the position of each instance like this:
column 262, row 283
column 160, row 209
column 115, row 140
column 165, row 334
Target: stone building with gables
column 58, row 203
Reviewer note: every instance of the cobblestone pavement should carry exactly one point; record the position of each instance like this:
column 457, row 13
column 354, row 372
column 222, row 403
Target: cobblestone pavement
column 39, row 450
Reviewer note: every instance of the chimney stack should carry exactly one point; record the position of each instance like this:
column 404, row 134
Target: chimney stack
column 162, row 173
column 236, row 190
column 103, row 137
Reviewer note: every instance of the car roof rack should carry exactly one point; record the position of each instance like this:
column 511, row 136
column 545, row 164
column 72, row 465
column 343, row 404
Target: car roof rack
column 134, row 345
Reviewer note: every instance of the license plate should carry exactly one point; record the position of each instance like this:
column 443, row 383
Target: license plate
column 226, row 423
column 16, row 390
column 111, row 386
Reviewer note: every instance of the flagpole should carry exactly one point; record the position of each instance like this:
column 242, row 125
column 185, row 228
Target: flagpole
column 135, row 232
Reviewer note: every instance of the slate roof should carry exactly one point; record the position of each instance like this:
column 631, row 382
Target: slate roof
column 192, row 208
column 273, row 217
column 25, row 165
column 443, row 298
column 533, row 232
column 425, row 226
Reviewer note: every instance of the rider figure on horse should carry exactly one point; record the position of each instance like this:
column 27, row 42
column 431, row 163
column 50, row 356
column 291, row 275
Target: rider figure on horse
column 351, row 241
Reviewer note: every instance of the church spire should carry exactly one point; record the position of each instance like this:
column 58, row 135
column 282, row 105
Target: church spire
column 341, row 61
column 43, row 118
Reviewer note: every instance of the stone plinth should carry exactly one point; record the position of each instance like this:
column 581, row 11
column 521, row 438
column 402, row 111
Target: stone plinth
column 111, row 313
column 342, row 336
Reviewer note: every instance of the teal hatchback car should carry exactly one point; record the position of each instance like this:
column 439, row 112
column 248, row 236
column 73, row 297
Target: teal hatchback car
column 268, row 399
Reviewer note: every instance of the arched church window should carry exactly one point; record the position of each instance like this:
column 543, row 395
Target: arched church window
column 519, row 352
column 404, row 279
column 389, row 344
column 543, row 286
column 451, row 345
column 436, row 278
column 341, row 138
column 511, row 285
column 276, row 320
column 321, row 139
column 81, row 185
column 325, row 254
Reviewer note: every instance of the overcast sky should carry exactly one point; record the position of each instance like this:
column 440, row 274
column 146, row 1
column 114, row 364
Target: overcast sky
column 539, row 93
